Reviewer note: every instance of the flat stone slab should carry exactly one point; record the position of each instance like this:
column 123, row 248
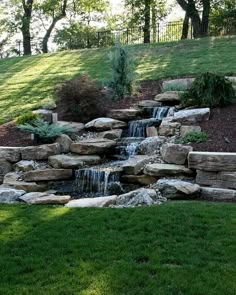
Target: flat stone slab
column 124, row 114
column 44, row 198
column 48, row 174
column 162, row 170
column 11, row 154
column 9, row 194
column 73, row 161
column 218, row 194
column 92, row 146
column 168, row 97
column 135, row 164
column 148, row 104
column 74, row 125
column 103, row 124
column 212, row 161
column 92, row 202
column 223, row 179
column 192, row 116
column 41, row 152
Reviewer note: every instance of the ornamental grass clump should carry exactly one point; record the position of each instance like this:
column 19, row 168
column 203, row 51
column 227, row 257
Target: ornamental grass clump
column 193, row 137
column 209, row 90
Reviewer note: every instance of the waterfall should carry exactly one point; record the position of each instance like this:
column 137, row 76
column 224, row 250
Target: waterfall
column 131, row 149
column 92, row 181
column 160, row 112
column 138, row 128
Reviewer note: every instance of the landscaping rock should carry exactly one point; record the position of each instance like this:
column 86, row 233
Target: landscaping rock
column 11, row 154
column 165, row 170
column 151, row 131
column 150, row 146
column 5, row 167
column 175, row 153
column 44, row 198
column 135, row 164
column 212, row 161
column 103, row 124
column 48, row 174
column 124, row 114
column 186, row 129
column 41, row 152
column 177, row 189
column 73, row 161
column 222, row 179
column 192, row 116
column 148, row 104
column 9, row 194
column 218, row 194
column 111, row 134
column 64, row 142
column 92, row 202
column 25, row 166
column 92, row 146
column 168, row 128
column 169, row 97
column 138, row 179
column 74, row 125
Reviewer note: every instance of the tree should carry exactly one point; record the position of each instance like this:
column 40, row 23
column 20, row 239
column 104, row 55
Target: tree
column 25, row 25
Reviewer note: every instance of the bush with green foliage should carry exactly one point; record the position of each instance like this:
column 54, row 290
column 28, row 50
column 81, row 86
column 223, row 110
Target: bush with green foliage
column 122, row 74
column 210, row 90
column 177, row 86
column 46, row 132
column 27, row 118
column 193, row 136
column 81, row 99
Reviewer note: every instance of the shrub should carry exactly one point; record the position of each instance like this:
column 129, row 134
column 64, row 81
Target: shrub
column 122, row 77
column 193, row 136
column 27, row 118
column 177, row 86
column 81, row 99
column 209, row 90
column 46, row 132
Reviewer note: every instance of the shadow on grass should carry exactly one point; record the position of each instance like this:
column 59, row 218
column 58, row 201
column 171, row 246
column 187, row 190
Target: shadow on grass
column 179, row 248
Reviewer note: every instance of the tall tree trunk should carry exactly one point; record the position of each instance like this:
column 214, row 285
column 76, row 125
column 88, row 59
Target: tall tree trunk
column 147, row 22
column 25, row 28
column 154, row 22
column 205, row 17
column 185, row 28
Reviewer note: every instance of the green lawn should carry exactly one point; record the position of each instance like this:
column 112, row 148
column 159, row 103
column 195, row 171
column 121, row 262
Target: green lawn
column 28, row 82
column 184, row 248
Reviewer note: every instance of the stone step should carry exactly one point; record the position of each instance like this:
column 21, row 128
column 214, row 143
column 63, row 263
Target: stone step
column 92, row 146
column 48, row 175
column 163, row 170
column 218, row 194
column 208, row 161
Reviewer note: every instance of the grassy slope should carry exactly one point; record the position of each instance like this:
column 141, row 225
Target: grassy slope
column 28, row 82
column 178, row 248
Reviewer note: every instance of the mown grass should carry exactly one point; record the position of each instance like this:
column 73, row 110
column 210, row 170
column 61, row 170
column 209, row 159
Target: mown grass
column 29, row 82
column 177, row 248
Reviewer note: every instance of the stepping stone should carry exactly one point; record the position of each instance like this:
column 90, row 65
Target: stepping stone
column 218, row 194
column 73, row 161
column 44, row 198
column 92, row 202
column 103, row 124
column 163, row 170
column 124, row 114
column 41, row 152
column 48, row 174
column 92, row 146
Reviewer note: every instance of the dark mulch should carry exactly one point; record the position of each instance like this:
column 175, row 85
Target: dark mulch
column 221, row 129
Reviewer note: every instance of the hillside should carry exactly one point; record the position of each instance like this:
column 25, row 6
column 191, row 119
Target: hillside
column 28, row 82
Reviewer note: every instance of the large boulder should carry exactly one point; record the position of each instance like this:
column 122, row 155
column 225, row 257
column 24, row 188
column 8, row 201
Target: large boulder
column 186, row 129
column 124, row 114
column 37, row 198
column 165, row 170
column 5, row 167
column 102, row 124
column 192, row 116
column 135, row 164
column 177, row 189
column 11, row 154
column 64, row 142
column 175, row 153
column 92, row 146
column 221, row 179
column 218, row 194
column 25, row 165
column 9, row 194
column 92, row 202
column 41, row 152
column 168, row 97
column 48, row 174
column 212, row 161
column 150, row 146
column 73, row 161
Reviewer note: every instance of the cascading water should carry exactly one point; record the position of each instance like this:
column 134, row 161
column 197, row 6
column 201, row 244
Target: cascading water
column 160, row 112
column 138, row 128
column 131, row 149
column 95, row 181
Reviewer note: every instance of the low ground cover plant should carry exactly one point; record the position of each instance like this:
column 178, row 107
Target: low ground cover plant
column 177, row 86
column 193, row 137
column 27, row 118
column 210, row 90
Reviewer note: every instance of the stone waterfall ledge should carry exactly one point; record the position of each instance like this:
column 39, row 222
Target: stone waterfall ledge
column 92, row 146
column 212, row 161
column 48, row 174
column 11, row 154
column 166, row 170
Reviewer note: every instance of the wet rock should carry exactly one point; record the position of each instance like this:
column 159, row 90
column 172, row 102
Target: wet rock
column 11, row 154
column 177, row 189
column 48, row 174
column 169, row 97
column 111, row 134
column 192, row 116
column 175, row 153
column 124, row 114
column 150, row 146
column 64, row 142
column 186, row 129
column 37, row 198
column 41, row 152
column 103, row 124
column 92, row 146
column 73, row 161
column 151, row 131
column 9, row 194
column 165, row 170
column 25, row 166
column 92, row 202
